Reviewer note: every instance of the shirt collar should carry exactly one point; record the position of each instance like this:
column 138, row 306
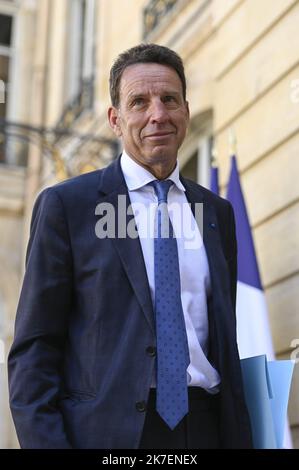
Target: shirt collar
column 136, row 176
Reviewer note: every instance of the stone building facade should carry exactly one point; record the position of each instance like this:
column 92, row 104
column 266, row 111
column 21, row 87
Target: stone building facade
column 242, row 67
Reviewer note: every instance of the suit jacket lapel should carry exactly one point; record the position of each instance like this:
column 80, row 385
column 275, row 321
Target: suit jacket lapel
column 212, row 243
column 112, row 185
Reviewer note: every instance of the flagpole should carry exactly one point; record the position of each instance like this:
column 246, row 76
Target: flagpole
column 214, row 159
column 214, row 177
column 232, row 141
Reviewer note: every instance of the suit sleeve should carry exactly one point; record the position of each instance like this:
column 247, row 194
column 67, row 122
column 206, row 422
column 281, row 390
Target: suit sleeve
column 36, row 358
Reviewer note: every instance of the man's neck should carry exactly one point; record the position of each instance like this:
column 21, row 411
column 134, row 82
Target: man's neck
column 161, row 171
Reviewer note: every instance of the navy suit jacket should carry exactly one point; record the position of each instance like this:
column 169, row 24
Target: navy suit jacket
column 81, row 364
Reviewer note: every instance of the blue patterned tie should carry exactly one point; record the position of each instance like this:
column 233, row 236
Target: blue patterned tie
column 172, row 346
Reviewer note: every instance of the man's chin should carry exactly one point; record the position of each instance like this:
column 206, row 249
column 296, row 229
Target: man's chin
column 162, row 153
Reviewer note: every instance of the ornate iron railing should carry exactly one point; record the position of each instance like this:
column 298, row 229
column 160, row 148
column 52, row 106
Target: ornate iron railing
column 83, row 101
column 48, row 140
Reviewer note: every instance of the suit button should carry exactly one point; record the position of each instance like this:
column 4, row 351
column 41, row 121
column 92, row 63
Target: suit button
column 141, row 406
column 151, row 351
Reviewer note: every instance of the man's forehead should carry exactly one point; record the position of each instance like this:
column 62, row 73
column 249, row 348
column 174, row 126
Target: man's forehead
column 150, row 89
column 146, row 78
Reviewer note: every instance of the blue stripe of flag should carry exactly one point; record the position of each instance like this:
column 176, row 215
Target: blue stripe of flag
column 248, row 271
column 214, row 183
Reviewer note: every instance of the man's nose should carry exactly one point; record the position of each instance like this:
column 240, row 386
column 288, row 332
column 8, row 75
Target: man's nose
column 159, row 112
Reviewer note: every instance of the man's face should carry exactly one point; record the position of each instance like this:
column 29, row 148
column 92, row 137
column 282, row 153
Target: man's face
column 152, row 116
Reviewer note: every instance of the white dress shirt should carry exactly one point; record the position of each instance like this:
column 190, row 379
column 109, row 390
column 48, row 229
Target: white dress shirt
column 194, row 268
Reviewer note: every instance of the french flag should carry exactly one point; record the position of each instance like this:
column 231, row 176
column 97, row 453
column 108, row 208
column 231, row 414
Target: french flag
column 253, row 329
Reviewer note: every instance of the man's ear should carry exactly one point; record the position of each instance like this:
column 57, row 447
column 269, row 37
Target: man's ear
column 113, row 117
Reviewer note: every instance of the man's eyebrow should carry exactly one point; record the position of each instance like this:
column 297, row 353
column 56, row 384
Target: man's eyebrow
column 132, row 96
column 171, row 92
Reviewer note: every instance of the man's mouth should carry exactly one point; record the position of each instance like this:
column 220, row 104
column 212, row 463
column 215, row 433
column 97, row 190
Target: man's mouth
column 159, row 135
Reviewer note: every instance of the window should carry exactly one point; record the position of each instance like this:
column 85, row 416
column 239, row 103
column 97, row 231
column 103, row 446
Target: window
column 80, row 61
column 5, row 30
column 198, row 166
column 205, row 149
column 4, row 66
column 190, row 169
column 80, row 67
column 6, row 23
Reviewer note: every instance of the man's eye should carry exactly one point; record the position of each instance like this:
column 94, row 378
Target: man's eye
column 169, row 98
column 138, row 102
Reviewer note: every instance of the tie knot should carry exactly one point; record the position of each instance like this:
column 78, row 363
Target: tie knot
column 161, row 189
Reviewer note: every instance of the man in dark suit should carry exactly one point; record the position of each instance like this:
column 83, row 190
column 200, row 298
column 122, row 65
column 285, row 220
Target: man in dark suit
column 127, row 339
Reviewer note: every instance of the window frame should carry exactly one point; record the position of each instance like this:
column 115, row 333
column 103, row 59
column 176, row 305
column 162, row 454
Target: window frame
column 80, row 48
